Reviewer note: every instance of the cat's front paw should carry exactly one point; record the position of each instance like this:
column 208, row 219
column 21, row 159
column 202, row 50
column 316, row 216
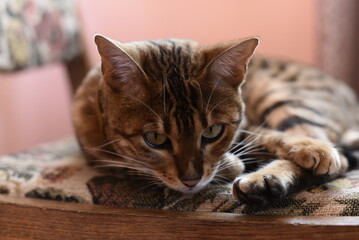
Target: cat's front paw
column 320, row 157
column 258, row 189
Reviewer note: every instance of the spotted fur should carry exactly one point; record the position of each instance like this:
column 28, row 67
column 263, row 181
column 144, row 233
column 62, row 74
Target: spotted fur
column 286, row 122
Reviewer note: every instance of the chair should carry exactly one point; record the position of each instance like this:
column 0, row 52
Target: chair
column 92, row 204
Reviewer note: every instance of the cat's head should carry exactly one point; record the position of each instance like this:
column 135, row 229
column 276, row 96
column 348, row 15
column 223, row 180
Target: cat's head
column 171, row 108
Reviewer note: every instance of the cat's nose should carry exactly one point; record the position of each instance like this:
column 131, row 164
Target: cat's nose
column 191, row 182
column 191, row 174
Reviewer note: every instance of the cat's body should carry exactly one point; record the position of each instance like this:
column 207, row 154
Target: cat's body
column 172, row 109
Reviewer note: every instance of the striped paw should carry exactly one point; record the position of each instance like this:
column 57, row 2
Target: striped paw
column 320, row 157
column 258, row 189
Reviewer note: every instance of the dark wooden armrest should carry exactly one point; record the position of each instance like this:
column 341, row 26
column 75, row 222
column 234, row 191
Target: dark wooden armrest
column 42, row 219
column 77, row 69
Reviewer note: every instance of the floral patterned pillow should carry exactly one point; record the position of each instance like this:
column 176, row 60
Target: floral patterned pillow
column 34, row 32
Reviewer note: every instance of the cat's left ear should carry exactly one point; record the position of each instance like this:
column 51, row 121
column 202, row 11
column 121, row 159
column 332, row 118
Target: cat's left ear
column 229, row 64
column 120, row 70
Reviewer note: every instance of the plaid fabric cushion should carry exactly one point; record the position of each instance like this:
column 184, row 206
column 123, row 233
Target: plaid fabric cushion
column 34, row 32
column 58, row 171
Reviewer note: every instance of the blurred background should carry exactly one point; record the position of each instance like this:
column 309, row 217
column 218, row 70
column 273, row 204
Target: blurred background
column 46, row 46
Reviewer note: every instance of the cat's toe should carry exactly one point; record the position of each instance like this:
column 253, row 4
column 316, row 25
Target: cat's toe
column 274, row 186
column 258, row 190
column 329, row 164
column 247, row 197
column 313, row 155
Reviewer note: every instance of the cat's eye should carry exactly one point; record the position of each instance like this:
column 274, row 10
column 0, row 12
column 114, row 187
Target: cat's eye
column 213, row 133
column 156, row 140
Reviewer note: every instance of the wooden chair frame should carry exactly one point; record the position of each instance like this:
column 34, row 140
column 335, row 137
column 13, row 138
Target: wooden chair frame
column 25, row 218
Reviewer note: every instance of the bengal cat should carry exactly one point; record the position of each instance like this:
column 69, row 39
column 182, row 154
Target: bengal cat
column 185, row 115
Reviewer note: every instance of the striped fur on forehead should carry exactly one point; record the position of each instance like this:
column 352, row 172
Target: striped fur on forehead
column 173, row 64
column 180, row 68
column 168, row 59
column 184, row 105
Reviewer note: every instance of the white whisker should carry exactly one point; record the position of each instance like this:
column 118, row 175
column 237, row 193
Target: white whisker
column 256, row 153
column 247, row 159
column 154, row 183
column 210, row 96
column 200, row 92
column 103, row 145
column 148, row 107
column 220, row 102
column 264, row 55
column 248, row 150
column 164, row 95
column 246, row 147
column 123, row 156
column 253, row 161
column 123, row 166
column 251, row 133
column 219, row 181
column 233, row 125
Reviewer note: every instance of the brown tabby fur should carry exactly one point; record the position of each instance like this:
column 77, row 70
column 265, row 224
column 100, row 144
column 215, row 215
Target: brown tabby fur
column 292, row 119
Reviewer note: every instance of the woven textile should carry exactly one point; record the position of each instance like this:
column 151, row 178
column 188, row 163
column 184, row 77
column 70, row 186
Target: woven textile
column 59, row 172
column 34, row 32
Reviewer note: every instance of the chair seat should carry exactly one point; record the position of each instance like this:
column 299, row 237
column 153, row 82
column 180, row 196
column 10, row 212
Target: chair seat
column 58, row 171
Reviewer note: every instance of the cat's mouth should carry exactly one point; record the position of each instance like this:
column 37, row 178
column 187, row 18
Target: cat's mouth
column 193, row 189
column 199, row 186
column 180, row 186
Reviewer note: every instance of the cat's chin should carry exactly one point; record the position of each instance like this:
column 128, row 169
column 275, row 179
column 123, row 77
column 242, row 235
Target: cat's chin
column 193, row 189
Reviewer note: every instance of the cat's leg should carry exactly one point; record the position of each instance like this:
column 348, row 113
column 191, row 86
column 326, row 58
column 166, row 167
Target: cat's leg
column 275, row 180
column 304, row 161
column 350, row 147
column 314, row 154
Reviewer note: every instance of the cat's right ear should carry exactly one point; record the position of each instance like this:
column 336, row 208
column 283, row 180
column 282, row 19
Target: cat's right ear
column 121, row 72
column 229, row 61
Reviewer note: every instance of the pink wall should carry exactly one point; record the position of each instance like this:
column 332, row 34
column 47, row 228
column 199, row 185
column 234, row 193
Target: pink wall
column 286, row 28
column 34, row 104
column 34, row 107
